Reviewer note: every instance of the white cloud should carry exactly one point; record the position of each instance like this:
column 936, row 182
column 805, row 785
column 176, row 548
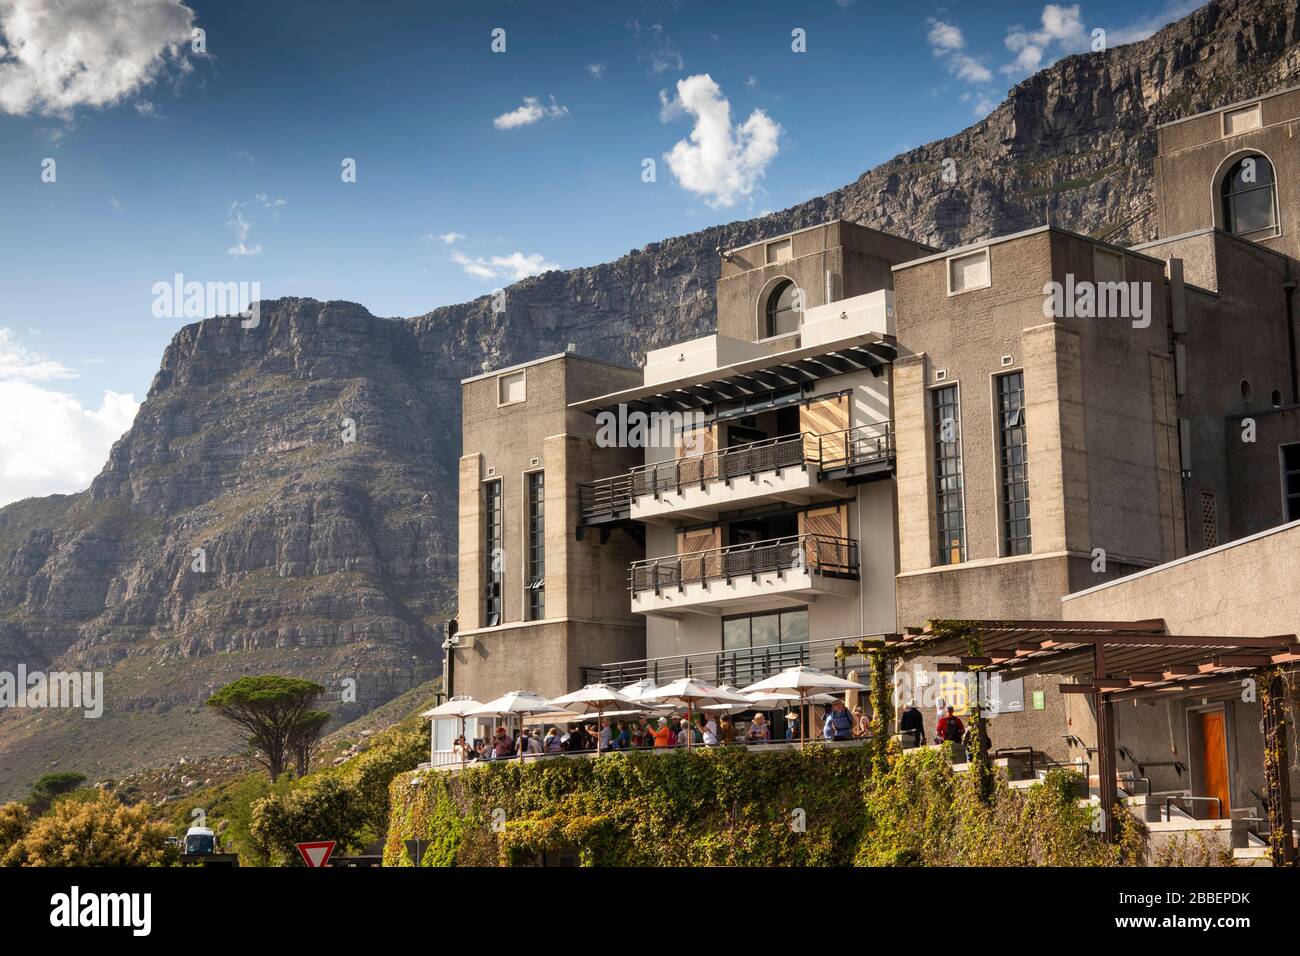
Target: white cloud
column 947, row 43
column 514, row 267
column 532, row 111
column 596, row 70
column 719, row 162
column 241, row 223
column 115, row 203
column 944, row 37
column 983, row 105
column 19, row 363
column 1062, row 32
column 147, row 109
column 275, row 205
column 450, row 238
column 49, row 442
column 657, row 49
column 94, row 53
column 969, row 69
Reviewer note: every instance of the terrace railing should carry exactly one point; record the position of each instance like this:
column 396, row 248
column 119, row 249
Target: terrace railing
column 818, row 554
column 610, row 499
column 855, row 446
column 737, row 461
column 738, row 667
column 607, row 499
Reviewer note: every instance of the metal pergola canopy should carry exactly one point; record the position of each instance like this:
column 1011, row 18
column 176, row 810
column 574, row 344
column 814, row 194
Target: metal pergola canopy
column 1119, row 659
column 1113, row 661
column 755, row 377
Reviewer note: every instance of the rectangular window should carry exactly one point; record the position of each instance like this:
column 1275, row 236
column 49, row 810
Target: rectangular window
column 757, row 645
column 1242, row 120
column 1013, row 453
column 512, row 388
column 1209, row 520
column 1107, row 266
column 949, row 510
column 494, row 553
column 1291, row 482
column 779, row 251
column 536, row 573
column 967, row 272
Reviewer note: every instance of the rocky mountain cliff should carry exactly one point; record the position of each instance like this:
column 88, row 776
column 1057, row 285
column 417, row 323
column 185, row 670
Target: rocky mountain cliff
column 243, row 526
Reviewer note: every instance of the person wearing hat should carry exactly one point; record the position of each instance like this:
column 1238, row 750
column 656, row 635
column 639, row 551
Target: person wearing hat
column 839, row 722
column 663, row 734
column 792, row 726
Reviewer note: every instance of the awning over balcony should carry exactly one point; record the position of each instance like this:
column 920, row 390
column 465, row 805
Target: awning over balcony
column 758, row 376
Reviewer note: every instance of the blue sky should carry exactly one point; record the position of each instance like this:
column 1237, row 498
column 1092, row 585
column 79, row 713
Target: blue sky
column 474, row 167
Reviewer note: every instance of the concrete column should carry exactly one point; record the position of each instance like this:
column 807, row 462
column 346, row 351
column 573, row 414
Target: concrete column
column 1058, row 474
column 470, row 572
column 914, row 477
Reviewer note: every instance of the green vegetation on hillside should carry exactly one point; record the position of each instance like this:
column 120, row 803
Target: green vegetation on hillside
column 731, row 807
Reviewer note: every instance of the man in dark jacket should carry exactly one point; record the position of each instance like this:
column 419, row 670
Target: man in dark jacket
column 912, row 723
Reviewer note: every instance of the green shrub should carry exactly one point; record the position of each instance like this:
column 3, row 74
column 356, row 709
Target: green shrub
column 732, row 807
column 348, row 803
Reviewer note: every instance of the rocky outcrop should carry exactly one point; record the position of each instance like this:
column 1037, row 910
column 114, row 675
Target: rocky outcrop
column 235, row 529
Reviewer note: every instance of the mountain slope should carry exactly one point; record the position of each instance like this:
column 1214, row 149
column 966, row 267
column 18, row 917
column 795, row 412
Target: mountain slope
column 335, row 559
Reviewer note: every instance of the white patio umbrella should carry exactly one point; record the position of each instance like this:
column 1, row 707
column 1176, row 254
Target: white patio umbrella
column 691, row 692
column 803, row 682
column 461, row 706
column 593, row 699
column 517, row 703
column 642, row 687
column 728, row 708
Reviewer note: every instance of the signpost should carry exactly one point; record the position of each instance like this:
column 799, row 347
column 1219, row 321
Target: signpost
column 316, row 855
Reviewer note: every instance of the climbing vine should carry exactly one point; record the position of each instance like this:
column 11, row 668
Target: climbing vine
column 972, row 634
column 812, row 806
column 1274, row 694
column 882, row 707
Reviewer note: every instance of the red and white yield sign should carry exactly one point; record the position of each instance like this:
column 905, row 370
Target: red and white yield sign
column 317, row 854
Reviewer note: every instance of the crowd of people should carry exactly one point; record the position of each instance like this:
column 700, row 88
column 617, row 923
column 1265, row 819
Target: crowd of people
column 838, row 722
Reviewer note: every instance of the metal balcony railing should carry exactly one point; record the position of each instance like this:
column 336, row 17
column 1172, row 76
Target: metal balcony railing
column 856, row 446
column 738, row 667
column 819, row 554
column 610, row 499
column 737, row 461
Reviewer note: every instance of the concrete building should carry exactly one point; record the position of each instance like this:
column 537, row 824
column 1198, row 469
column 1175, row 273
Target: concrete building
column 882, row 434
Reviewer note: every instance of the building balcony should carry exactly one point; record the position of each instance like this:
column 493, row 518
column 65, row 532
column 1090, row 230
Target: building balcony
column 777, row 571
column 795, row 469
column 738, row 667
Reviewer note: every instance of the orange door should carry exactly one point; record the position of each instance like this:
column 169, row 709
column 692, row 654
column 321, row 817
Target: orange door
column 1214, row 744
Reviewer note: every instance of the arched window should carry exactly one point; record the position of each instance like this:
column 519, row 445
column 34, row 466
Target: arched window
column 782, row 318
column 1250, row 198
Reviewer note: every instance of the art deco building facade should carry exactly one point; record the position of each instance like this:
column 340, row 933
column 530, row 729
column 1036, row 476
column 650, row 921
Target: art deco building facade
column 881, row 434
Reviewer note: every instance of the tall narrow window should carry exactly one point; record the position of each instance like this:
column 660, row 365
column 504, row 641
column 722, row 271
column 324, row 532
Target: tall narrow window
column 783, row 309
column 951, row 516
column 1209, row 520
column 536, row 547
column 1013, row 450
column 1250, row 199
column 1291, row 481
column 494, row 553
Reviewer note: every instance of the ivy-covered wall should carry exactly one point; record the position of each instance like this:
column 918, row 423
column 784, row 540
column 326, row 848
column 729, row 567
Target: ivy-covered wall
column 729, row 806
